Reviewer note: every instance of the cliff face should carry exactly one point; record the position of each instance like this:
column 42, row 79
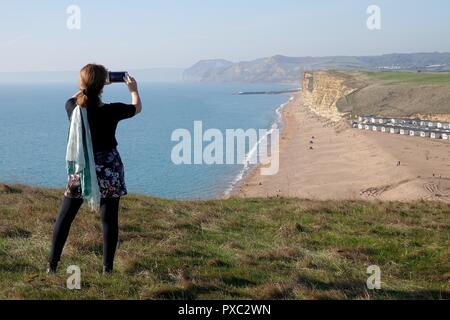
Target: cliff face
column 335, row 94
column 322, row 90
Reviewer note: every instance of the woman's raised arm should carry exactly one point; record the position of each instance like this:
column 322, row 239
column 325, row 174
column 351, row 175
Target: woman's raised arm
column 135, row 98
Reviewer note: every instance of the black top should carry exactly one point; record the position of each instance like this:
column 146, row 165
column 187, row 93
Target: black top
column 103, row 122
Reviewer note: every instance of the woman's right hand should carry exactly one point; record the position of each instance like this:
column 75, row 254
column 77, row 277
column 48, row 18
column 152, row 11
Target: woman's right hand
column 131, row 83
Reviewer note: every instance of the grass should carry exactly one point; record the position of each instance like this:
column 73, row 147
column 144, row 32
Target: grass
column 411, row 77
column 230, row 249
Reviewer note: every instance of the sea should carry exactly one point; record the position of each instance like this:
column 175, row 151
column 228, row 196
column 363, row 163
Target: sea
column 34, row 126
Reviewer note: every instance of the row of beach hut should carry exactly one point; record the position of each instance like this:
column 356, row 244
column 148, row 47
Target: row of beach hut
column 404, row 122
column 402, row 130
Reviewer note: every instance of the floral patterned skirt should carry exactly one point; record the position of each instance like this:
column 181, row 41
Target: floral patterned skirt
column 110, row 176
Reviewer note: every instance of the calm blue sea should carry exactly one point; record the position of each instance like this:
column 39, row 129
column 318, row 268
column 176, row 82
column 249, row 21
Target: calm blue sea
column 33, row 132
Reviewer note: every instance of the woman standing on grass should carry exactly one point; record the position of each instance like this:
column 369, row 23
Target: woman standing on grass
column 95, row 170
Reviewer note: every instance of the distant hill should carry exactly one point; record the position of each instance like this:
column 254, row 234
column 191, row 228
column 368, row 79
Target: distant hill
column 289, row 69
column 205, row 68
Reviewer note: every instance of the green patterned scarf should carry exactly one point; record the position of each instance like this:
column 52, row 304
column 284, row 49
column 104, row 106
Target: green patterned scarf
column 80, row 157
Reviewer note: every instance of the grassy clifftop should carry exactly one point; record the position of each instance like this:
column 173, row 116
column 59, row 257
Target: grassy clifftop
column 399, row 94
column 255, row 248
column 425, row 78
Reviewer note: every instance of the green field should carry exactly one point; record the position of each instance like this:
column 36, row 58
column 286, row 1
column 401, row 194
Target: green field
column 250, row 249
column 411, row 77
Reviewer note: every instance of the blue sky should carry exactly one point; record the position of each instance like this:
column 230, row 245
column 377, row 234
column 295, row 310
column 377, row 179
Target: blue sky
column 176, row 33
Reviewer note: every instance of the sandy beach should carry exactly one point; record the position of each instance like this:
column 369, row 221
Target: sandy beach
column 323, row 160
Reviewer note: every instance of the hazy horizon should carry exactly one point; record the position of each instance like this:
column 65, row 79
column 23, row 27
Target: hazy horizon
column 164, row 68
column 176, row 34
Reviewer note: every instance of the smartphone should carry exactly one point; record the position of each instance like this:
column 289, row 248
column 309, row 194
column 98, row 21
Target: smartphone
column 115, row 77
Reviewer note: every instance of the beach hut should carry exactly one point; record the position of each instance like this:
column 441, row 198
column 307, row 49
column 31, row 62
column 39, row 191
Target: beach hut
column 360, row 126
column 373, row 120
column 402, row 131
column 435, row 135
column 366, row 119
column 367, row 127
column 430, row 124
column 424, row 134
column 446, row 126
column 383, row 129
column 374, row 128
column 395, row 130
column 444, row 136
column 393, row 121
column 422, row 123
column 439, row 125
column 412, row 133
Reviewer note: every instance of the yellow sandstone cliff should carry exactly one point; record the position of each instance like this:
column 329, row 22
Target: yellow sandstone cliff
column 321, row 90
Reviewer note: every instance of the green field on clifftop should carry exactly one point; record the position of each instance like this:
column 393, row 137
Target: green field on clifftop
column 411, row 77
column 233, row 249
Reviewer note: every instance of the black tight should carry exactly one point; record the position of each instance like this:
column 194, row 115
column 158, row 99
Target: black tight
column 109, row 209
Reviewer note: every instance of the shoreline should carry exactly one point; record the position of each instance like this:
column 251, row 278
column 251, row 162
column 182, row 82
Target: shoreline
column 247, row 171
column 348, row 164
column 282, row 120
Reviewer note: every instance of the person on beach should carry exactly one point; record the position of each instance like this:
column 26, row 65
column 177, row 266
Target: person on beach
column 94, row 167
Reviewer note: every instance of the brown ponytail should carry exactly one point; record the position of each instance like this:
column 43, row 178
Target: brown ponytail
column 92, row 81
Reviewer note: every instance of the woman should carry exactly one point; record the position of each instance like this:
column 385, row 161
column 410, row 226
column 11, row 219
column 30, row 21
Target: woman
column 93, row 142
